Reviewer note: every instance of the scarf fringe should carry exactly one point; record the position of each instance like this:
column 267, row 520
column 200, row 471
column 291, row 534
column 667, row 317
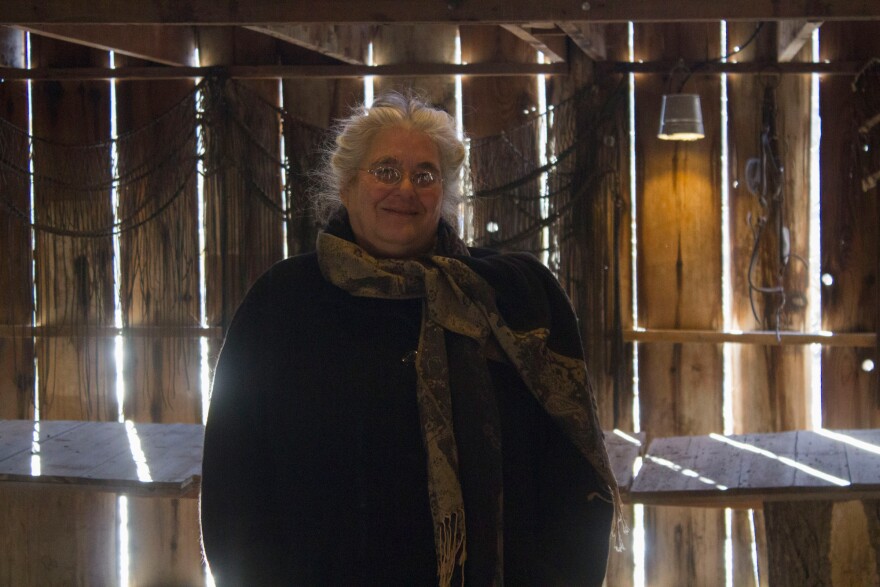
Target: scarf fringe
column 619, row 527
column 451, row 548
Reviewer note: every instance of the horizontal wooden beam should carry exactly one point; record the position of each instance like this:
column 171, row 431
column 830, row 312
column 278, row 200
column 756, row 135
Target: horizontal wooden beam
column 9, row 331
column 759, row 337
column 746, row 67
column 286, row 71
column 263, row 12
column 162, row 44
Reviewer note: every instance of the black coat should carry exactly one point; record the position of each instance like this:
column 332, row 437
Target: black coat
column 314, row 472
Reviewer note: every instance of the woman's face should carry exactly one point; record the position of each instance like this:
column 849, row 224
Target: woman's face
column 396, row 220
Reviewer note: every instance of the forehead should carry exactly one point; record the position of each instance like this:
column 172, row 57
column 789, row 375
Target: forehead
column 405, row 146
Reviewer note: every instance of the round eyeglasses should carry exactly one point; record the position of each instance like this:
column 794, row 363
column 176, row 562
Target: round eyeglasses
column 393, row 176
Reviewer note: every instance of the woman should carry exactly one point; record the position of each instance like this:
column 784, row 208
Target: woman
column 398, row 409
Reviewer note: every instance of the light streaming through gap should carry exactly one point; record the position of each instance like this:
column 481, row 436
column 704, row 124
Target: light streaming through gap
column 282, row 155
column 465, row 208
column 814, row 307
column 542, row 161
column 36, row 462
column 639, row 578
column 368, row 79
column 204, row 368
column 124, row 561
column 726, row 297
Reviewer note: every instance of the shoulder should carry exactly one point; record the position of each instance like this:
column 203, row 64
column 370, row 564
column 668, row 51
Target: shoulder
column 288, row 284
column 294, row 274
column 528, row 296
column 516, row 270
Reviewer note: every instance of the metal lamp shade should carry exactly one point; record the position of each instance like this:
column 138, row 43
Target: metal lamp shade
column 681, row 118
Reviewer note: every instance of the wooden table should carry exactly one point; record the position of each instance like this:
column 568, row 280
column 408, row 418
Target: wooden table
column 746, row 471
column 150, row 459
column 141, row 459
column 794, row 477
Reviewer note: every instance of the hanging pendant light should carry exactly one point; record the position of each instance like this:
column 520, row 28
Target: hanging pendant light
column 681, row 118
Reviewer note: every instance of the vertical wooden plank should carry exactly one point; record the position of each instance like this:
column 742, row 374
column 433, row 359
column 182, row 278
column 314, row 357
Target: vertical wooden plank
column 871, row 509
column 16, row 284
column 74, row 274
column 501, row 119
column 771, row 383
column 164, row 543
column 850, row 236
column 594, row 246
column 798, row 543
column 679, row 287
column 156, row 122
column 853, row 559
column 496, row 104
column 423, row 43
column 57, row 536
column 156, row 125
column 243, row 226
column 312, row 106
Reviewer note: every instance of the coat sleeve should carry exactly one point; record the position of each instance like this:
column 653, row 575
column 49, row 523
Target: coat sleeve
column 237, row 492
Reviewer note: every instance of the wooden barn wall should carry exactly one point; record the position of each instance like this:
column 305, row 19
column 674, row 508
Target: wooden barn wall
column 57, row 536
column 234, row 259
column 849, row 238
column 597, row 279
column 679, row 263
column 160, row 288
column 850, row 252
column 314, row 105
column 16, row 286
column 678, row 202
column 770, row 384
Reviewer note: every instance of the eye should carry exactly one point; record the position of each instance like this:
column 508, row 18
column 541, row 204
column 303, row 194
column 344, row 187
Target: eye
column 423, row 179
column 389, row 175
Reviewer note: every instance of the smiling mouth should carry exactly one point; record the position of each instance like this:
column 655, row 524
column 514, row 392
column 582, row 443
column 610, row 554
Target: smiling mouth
column 398, row 212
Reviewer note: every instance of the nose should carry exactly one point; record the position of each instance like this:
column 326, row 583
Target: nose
column 406, row 184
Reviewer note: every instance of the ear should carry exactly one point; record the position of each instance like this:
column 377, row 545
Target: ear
column 347, row 190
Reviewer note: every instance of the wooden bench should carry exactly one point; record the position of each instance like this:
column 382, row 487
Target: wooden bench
column 794, row 477
column 140, row 459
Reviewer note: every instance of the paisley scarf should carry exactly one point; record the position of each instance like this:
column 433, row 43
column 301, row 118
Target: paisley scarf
column 458, row 300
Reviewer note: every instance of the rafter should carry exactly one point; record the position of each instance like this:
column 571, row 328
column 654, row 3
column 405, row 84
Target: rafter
column 347, row 43
column 261, row 12
column 792, row 35
column 589, row 37
column 539, row 42
column 162, row 44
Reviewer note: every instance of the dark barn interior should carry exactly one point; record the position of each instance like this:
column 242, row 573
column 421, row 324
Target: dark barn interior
column 155, row 159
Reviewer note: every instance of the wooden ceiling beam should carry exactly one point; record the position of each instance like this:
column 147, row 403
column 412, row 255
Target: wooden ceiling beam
column 731, row 67
column 286, row 71
column 347, row 43
column 162, row 44
column 791, row 37
column 264, row 12
column 589, row 37
column 551, row 54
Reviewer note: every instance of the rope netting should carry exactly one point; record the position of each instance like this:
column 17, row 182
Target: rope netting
column 135, row 197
